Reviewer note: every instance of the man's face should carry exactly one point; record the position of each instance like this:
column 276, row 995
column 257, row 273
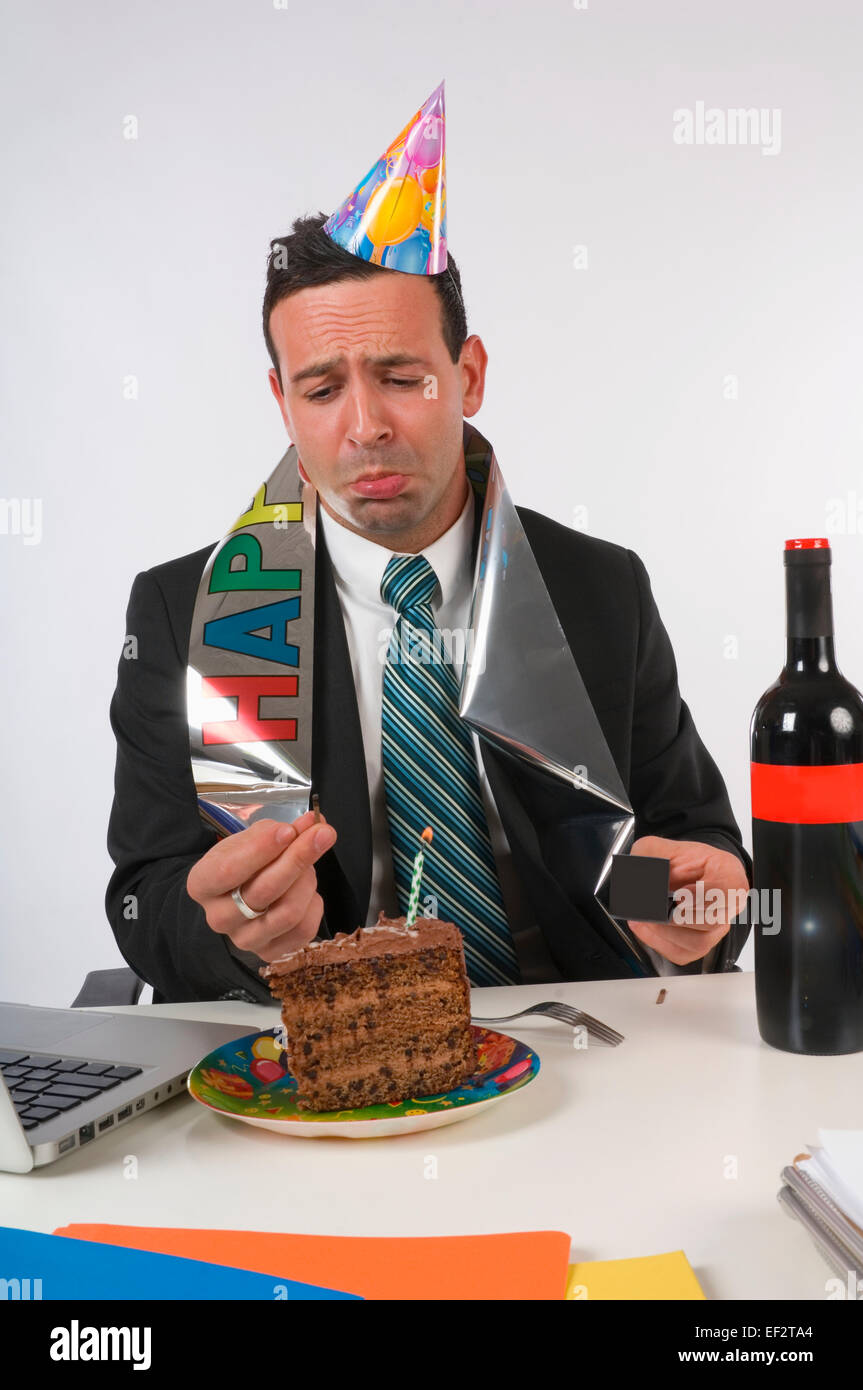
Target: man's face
column 370, row 389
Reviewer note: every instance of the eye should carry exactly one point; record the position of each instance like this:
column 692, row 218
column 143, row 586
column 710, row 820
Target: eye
column 403, row 382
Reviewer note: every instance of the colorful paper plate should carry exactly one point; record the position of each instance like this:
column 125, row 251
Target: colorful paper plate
column 249, row 1080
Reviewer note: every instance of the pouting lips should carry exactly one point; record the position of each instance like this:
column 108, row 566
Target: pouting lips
column 383, row 485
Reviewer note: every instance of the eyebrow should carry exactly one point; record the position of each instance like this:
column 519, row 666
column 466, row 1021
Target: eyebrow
column 393, row 359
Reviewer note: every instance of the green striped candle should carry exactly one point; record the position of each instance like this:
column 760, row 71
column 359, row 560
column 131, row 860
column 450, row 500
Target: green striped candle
column 413, row 901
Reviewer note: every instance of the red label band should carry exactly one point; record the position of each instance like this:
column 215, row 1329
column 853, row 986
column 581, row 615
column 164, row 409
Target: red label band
column 807, row 795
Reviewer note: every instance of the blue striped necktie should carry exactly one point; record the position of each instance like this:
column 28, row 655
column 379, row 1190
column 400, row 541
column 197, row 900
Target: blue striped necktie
column 431, row 778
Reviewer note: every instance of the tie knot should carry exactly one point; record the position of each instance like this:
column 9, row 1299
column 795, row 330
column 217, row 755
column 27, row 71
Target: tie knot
column 408, row 581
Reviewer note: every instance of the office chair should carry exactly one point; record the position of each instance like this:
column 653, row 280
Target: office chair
column 123, row 986
column 101, row 987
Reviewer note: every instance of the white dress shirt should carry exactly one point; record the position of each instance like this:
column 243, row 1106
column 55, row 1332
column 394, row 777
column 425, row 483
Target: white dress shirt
column 358, row 569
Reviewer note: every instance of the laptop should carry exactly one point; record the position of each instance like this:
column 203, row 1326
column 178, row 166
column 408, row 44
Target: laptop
column 71, row 1076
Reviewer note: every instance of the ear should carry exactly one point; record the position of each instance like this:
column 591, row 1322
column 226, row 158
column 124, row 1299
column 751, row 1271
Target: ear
column 277, row 392
column 474, row 360
column 274, row 386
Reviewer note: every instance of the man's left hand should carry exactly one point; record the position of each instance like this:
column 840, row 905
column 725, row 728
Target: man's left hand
column 691, row 861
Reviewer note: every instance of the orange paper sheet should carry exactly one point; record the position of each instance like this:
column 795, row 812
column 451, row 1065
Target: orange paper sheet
column 523, row 1264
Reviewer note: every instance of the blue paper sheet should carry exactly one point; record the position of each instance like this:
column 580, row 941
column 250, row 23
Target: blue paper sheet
column 58, row 1267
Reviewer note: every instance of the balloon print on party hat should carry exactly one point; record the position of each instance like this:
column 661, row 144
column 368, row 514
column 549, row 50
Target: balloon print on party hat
column 396, row 215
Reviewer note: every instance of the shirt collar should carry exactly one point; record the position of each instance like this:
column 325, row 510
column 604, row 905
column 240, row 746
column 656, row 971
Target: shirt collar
column 359, row 564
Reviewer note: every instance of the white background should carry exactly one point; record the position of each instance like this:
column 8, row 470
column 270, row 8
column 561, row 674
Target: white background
column 607, row 385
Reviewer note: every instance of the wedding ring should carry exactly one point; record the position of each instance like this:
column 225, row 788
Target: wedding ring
column 244, row 906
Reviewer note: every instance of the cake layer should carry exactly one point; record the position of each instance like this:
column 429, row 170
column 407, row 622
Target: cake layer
column 352, row 1069
column 421, row 989
column 396, row 1016
column 374, row 1087
column 319, row 1048
column 317, row 1040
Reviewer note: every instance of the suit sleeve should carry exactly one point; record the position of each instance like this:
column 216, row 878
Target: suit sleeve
column 155, row 833
column 676, row 789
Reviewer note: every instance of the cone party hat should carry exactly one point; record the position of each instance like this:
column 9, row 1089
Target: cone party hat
column 396, row 215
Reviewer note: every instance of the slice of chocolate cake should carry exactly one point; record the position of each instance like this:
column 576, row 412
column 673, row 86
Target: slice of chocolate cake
column 379, row 1014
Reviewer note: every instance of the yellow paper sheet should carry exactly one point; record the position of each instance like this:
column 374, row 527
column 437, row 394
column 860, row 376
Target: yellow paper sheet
column 647, row 1276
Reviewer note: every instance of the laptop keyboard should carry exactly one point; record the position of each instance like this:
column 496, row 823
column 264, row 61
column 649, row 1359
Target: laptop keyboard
column 42, row 1086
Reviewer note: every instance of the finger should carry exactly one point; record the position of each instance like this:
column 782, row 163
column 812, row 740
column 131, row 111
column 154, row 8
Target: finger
column 281, row 916
column 655, row 845
column 273, row 881
column 238, row 857
column 304, row 932
column 721, row 899
column 714, row 870
column 681, row 945
column 284, row 914
column 687, row 858
column 691, row 911
column 685, row 911
column 691, row 860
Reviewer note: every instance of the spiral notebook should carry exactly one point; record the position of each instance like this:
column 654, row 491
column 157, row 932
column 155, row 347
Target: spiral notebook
column 823, row 1190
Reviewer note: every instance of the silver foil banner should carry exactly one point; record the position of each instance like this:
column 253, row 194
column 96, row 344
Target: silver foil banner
column 251, row 660
column 522, row 691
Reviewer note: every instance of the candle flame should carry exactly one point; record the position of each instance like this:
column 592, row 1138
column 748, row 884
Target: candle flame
column 427, row 835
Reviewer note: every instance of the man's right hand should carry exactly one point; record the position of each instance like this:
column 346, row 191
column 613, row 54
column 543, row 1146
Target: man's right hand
column 272, row 865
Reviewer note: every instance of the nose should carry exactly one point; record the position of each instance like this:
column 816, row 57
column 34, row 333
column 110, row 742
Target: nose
column 364, row 426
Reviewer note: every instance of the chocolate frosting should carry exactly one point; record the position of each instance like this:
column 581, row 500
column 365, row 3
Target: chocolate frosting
column 389, row 936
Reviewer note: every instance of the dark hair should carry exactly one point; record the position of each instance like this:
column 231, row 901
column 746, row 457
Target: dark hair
column 307, row 256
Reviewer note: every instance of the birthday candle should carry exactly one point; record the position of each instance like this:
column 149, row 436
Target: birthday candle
column 426, row 837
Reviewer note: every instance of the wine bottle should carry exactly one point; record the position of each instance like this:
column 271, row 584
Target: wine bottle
column 807, row 828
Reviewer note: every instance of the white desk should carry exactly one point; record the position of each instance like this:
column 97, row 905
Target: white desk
column 624, row 1148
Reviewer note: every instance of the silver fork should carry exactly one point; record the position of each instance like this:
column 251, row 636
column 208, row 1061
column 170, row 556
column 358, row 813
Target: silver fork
column 564, row 1014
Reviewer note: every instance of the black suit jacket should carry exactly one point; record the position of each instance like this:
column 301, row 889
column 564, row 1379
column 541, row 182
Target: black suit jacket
column 602, row 596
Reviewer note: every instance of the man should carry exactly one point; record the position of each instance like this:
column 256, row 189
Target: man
column 354, row 345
